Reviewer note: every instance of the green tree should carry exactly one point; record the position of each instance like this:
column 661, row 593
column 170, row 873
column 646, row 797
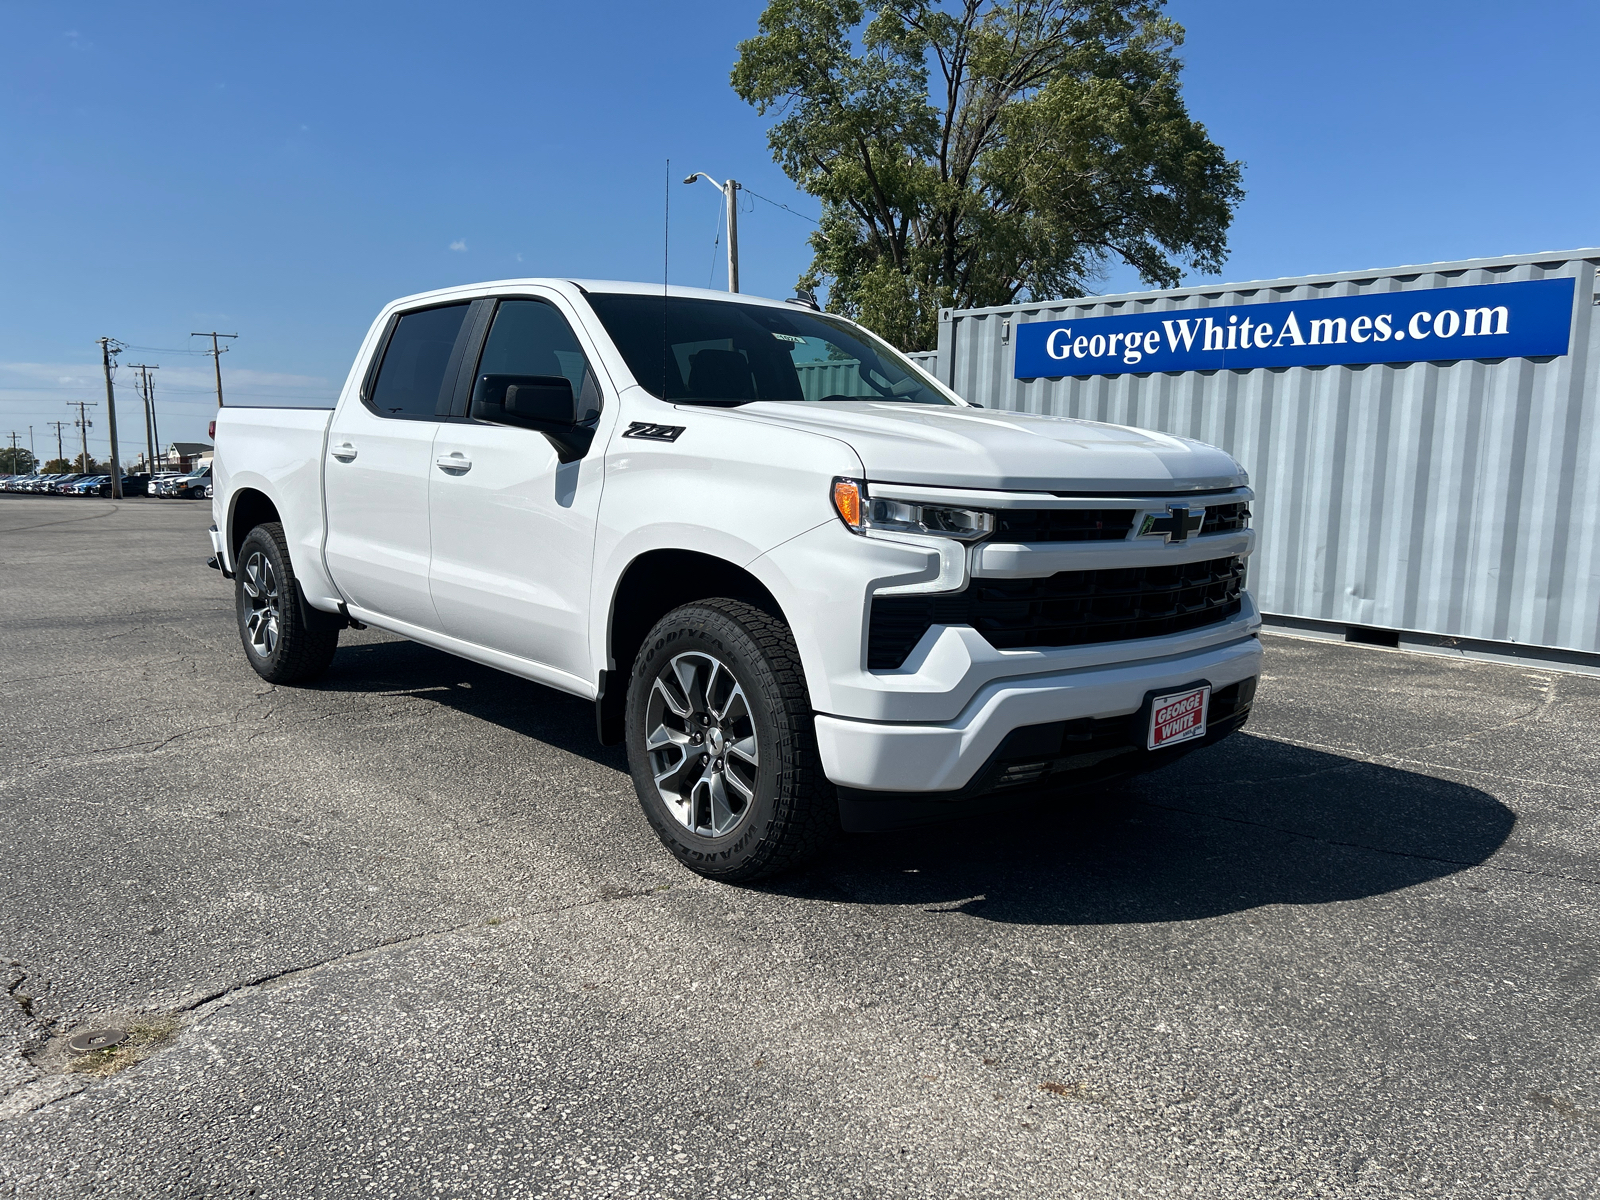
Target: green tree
column 58, row 466
column 980, row 152
column 15, row 461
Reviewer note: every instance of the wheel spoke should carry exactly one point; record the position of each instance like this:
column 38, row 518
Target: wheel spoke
column 746, row 749
column 744, row 791
column 669, row 778
column 663, row 735
column 689, row 674
column 679, row 707
column 733, row 707
column 721, row 811
column 700, row 806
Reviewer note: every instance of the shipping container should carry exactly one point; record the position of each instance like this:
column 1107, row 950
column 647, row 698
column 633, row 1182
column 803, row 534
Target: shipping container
column 1443, row 503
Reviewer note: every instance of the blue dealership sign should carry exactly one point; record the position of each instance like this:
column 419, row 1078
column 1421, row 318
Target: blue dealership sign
column 1496, row 320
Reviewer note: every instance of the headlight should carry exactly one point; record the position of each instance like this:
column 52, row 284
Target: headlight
column 863, row 514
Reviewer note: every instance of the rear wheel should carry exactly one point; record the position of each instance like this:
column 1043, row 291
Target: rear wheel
column 279, row 644
column 721, row 743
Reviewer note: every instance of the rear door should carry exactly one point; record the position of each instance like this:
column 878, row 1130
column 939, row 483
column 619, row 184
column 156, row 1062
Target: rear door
column 380, row 462
column 513, row 528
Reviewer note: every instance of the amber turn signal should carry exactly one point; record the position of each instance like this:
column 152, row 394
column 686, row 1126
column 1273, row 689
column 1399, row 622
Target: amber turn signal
column 847, row 501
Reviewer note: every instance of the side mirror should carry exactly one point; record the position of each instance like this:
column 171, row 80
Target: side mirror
column 532, row 401
column 544, row 403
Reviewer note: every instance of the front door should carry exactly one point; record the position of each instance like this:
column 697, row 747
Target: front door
column 513, row 528
column 379, row 464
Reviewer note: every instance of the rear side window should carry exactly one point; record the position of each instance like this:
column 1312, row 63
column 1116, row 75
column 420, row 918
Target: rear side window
column 416, row 379
column 529, row 337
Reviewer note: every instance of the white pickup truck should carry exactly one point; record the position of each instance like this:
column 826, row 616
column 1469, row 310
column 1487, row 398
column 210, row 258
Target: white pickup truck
column 808, row 585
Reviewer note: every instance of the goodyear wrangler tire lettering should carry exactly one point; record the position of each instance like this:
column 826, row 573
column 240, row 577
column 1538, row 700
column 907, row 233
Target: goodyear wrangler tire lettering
column 721, row 743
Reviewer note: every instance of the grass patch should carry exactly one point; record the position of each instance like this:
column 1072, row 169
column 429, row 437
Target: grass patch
column 144, row 1038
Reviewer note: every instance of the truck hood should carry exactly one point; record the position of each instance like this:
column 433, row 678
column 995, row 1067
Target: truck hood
column 933, row 445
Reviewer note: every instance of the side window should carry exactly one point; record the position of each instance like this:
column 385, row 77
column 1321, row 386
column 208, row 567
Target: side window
column 529, row 337
column 415, row 381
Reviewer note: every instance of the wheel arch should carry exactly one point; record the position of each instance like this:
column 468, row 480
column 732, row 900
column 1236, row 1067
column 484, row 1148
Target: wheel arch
column 248, row 508
column 655, row 583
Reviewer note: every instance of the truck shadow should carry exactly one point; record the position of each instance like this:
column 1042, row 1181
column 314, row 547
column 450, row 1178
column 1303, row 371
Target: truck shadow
column 1246, row 823
column 1242, row 824
column 519, row 705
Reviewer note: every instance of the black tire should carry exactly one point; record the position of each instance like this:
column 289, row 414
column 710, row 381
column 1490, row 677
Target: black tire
column 276, row 639
column 791, row 811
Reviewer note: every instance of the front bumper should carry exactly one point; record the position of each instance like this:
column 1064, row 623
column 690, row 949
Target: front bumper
column 891, row 757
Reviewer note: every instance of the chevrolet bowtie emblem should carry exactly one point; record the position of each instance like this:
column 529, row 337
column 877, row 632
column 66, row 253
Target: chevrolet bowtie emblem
column 1178, row 524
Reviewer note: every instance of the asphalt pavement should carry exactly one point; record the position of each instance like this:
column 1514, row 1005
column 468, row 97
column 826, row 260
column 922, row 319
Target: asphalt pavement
column 419, row 940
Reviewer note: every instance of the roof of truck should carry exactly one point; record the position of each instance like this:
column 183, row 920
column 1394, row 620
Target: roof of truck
column 598, row 285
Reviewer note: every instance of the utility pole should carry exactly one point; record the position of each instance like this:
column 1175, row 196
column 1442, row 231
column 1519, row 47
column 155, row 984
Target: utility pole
column 61, row 451
column 148, row 395
column 13, row 471
column 34, row 453
column 730, row 192
column 106, row 352
column 83, row 424
column 216, row 356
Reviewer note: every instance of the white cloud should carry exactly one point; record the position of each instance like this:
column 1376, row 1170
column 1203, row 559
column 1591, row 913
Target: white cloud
column 459, row 244
column 518, row 257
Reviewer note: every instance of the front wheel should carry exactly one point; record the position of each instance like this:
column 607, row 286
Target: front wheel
column 279, row 644
column 721, row 743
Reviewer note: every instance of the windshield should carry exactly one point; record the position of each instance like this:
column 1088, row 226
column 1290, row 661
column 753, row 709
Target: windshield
column 720, row 352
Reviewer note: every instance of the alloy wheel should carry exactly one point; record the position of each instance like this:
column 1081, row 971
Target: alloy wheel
column 261, row 590
column 701, row 739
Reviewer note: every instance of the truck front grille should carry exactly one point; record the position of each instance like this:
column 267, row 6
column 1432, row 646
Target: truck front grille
column 1071, row 608
column 1226, row 518
column 1062, row 524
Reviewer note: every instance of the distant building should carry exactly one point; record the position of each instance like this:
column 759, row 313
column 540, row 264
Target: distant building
column 184, row 456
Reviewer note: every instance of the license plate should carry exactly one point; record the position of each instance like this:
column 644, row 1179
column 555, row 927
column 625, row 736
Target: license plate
column 1178, row 717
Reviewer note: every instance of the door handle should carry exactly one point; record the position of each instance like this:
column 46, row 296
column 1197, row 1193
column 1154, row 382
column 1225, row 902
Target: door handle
column 344, row 452
column 454, row 461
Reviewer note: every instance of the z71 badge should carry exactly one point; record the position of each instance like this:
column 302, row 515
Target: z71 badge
column 654, row 433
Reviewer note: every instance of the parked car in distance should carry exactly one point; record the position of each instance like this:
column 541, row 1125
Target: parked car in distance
column 87, row 486
column 132, row 485
column 62, row 483
column 161, row 483
column 193, row 485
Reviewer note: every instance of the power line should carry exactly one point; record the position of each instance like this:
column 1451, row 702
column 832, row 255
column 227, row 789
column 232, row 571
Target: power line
column 775, row 204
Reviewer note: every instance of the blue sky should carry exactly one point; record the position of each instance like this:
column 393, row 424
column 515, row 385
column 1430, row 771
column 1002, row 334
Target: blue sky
column 281, row 171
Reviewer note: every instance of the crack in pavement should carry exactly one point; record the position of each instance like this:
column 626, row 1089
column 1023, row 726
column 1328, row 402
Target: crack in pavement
column 46, row 1088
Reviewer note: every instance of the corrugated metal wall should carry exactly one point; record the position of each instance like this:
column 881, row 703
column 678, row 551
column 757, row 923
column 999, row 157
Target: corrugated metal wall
column 1451, row 498
column 840, row 378
column 827, row 379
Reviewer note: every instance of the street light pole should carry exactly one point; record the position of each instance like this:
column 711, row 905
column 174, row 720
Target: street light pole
column 730, row 192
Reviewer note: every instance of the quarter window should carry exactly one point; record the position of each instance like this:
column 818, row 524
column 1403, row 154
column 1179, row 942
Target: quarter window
column 415, row 381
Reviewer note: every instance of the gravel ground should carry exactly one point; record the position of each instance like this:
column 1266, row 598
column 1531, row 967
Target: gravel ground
column 420, row 940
